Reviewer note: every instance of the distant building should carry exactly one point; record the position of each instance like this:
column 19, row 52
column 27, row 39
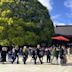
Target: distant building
column 64, row 30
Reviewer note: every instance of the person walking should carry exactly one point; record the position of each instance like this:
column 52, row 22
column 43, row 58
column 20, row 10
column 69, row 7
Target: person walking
column 34, row 55
column 54, row 59
column 25, row 54
column 39, row 54
column 63, row 55
column 57, row 53
column 15, row 54
column 48, row 53
column 3, row 54
column 10, row 56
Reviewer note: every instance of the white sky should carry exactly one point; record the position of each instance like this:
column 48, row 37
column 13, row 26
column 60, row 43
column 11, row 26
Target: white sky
column 47, row 3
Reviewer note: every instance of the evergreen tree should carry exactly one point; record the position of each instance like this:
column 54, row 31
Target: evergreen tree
column 24, row 22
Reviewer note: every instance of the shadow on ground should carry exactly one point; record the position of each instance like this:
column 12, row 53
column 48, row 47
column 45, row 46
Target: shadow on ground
column 68, row 64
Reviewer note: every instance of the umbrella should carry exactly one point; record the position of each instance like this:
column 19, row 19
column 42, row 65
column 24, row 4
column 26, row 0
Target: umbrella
column 60, row 38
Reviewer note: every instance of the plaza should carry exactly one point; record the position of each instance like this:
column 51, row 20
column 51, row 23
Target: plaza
column 30, row 67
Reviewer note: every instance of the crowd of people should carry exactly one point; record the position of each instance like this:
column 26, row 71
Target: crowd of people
column 52, row 53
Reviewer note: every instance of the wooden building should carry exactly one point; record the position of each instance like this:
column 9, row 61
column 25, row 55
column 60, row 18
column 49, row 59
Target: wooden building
column 64, row 30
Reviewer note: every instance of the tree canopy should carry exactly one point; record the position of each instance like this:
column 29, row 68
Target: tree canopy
column 24, row 22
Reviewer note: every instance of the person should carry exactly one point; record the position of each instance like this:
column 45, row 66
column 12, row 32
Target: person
column 42, row 52
column 34, row 55
column 63, row 55
column 48, row 53
column 0, row 52
column 20, row 51
column 55, row 56
column 39, row 54
column 25, row 54
column 15, row 54
column 57, row 53
column 68, row 54
column 10, row 55
column 3, row 54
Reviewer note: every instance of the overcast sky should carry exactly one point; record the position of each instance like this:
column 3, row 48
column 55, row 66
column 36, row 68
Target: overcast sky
column 60, row 11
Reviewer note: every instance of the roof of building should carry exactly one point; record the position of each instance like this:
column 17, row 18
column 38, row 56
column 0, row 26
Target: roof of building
column 63, row 25
column 63, row 29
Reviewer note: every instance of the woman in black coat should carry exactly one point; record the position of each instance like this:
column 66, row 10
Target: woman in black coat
column 3, row 54
column 63, row 55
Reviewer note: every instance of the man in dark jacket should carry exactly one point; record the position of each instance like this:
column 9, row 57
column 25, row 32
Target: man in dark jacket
column 34, row 55
column 15, row 54
column 48, row 53
column 3, row 54
column 38, row 53
column 63, row 55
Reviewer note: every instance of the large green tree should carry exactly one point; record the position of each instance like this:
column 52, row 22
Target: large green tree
column 24, row 22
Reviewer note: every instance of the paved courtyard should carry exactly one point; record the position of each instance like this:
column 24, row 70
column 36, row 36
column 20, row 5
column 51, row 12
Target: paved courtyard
column 30, row 67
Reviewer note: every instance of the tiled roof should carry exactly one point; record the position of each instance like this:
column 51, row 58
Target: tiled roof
column 64, row 29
